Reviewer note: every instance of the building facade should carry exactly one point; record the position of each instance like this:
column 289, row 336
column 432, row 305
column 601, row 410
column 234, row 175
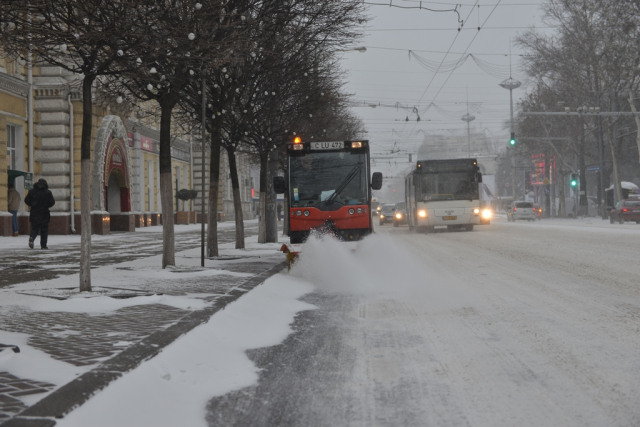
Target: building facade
column 40, row 134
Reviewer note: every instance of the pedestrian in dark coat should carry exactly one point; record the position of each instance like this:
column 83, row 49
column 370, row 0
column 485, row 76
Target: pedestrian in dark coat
column 40, row 200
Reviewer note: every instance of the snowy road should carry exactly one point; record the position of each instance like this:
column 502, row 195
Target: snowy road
column 525, row 324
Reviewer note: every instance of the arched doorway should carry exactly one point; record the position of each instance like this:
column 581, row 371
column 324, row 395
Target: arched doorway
column 112, row 174
column 111, row 168
column 117, row 194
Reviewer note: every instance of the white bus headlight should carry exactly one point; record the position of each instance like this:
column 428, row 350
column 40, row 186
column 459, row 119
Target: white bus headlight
column 399, row 215
column 476, row 211
column 422, row 213
column 486, row 214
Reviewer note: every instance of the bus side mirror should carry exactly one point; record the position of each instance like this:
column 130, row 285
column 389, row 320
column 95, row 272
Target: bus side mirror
column 479, row 178
column 376, row 181
column 278, row 184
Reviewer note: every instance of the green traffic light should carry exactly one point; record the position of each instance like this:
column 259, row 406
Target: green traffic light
column 574, row 183
column 512, row 141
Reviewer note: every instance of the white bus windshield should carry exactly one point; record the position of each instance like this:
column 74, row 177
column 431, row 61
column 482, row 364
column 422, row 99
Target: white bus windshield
column 328, row 179
column 449, row 186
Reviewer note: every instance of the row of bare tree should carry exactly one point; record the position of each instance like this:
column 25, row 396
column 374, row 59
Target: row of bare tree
column 251, row 72
column 590, row 59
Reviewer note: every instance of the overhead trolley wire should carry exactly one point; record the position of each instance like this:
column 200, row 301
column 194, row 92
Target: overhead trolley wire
column 465, row 52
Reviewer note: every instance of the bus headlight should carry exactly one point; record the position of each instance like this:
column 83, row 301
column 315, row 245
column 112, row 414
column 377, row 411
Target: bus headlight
column 476, row 211
column 359, row 210
column 381, row 216
column 399, row 215
column 351, row 211
column 307, row 213
column 298, row 213
column 422, row 213
column 486, row 214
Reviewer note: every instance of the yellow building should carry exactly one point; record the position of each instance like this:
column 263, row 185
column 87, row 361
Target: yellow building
column 40, row 134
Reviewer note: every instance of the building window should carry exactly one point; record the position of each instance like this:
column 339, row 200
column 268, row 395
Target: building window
column 11, row 145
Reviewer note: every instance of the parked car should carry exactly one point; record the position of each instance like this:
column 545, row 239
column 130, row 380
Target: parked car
column 538, row 210
column 386, row 213
column 521, row 210
column 400, row 214
column 625, row 210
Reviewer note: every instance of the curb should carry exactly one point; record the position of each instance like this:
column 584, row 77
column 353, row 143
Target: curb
column 75, row 393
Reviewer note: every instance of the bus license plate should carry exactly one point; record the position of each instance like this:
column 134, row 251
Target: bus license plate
column 449, row 218
column 329, row 145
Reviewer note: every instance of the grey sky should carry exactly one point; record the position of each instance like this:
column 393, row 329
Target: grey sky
column 386, row 74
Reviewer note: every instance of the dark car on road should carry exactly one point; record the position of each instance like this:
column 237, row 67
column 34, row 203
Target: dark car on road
column 400, row 214
column 625, row 210
column 386, row 213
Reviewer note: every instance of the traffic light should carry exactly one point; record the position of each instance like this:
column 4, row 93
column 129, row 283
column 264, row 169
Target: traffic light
column 512, row 141
column 574, row 180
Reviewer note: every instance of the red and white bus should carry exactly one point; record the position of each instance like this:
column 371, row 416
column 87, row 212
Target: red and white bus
column 328, row 187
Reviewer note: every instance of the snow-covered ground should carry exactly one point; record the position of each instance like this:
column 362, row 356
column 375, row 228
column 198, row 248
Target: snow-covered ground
column 523, row 324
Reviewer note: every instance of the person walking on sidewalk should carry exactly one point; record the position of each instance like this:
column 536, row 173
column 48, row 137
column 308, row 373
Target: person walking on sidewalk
column 14, row 206
column 40, row 200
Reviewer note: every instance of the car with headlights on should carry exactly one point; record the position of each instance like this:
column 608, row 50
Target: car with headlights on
column 625, row 210
column 400, row 214
column 386, row 213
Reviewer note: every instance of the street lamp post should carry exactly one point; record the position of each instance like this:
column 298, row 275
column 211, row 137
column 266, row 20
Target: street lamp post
column 511, row 84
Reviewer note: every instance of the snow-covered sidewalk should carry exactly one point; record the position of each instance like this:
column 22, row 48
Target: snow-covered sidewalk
column 62, row 340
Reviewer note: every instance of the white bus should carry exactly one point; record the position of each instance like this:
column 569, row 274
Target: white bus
column 443, row 193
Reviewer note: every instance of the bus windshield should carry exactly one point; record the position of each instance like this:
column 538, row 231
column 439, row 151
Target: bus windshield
column 449, row 186
column 326, row 178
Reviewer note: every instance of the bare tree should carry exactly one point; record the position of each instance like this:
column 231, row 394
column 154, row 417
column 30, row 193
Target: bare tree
column 184, row 39
column 588, row 59
column 86, row 39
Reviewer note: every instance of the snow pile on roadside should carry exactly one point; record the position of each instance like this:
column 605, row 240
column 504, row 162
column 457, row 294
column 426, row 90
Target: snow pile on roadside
column 174, row 387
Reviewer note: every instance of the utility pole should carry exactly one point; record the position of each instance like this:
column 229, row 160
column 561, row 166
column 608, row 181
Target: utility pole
column 468, row 118
column 511, row 84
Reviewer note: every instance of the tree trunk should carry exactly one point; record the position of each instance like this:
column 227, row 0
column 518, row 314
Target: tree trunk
column 271, row 201
column 637, row 119
column 547, row 186
column 582, row 180
column 85, row 186
column 237, row 203
column 166, row 186
column 614, row 162
column 214, row 189
column 285, row 210
column 562, row 209
column 262, row 228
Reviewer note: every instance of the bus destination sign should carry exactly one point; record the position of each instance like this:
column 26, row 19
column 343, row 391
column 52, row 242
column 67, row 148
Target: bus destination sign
column 445, row 166
column 327, row 145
